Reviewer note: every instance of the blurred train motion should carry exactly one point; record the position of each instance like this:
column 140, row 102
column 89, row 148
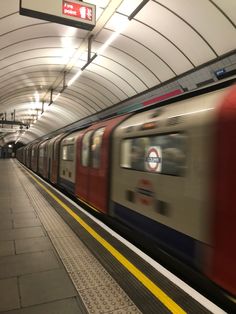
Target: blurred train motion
column 168, row 172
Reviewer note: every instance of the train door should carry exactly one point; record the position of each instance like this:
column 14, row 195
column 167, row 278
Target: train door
column 94, row 163
column 83, row 164
column 54, row 158
column 98, row 174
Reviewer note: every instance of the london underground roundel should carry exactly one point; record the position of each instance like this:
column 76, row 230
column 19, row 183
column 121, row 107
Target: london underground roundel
column 154, row 159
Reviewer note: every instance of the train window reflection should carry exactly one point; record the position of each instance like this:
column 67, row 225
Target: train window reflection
column 68, row 152
column 165, row 154
column 85, row 149
column 41, row 152
column 96, row 147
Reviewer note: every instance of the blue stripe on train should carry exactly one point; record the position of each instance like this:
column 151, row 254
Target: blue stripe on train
column 179, row 244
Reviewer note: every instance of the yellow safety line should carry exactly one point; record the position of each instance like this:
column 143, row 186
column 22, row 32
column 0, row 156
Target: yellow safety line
column 231, row 298
column 151, row 286
column 91, row 206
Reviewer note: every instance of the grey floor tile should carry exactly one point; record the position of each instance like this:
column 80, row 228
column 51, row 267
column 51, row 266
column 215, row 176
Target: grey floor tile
column 45, row 287
column 25, row 222
column 4, row 204
column 68, row 306
column 5, row 224
column 6, row 215
column 19, row 196
column 21, row 208
column 21, row 233
column 4, row 208
column 21, row 264
column 21, row 202
column 23, row 215
column 7, row 248
column 4, row 197
column 9, row 296
column 15, row 185
column 33, row 245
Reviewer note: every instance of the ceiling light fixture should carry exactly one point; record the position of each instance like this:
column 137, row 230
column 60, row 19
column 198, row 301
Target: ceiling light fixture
column 56, row 97
column 109, row 41
column 74, row 78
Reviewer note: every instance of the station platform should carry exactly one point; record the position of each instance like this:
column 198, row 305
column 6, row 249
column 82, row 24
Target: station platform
column 56, row 258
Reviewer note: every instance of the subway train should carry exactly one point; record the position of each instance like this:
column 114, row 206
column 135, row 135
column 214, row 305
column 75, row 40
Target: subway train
column 168, row 172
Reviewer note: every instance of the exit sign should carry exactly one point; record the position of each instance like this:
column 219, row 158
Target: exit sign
column 68, row 12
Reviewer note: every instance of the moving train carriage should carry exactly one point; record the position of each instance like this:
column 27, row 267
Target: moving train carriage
column 67, row 163
column 93, row 163
column 168, row 172
column 43, row 158
column 53, row 157
column 223, row 257
column 165, row 162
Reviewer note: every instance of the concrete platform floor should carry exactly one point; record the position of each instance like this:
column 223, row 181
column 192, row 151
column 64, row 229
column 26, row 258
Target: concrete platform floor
column 44, row 267
column 33, row 279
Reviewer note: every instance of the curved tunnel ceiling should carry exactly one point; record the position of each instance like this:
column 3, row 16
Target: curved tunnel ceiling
column 164, row 40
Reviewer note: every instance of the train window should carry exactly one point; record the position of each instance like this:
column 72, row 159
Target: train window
column 41, row 152
column 68, row 152
column 96, row 147
column 85, row 149
column 165, row 154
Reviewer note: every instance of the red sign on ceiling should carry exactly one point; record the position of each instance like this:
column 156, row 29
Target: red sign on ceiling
column 80, row 11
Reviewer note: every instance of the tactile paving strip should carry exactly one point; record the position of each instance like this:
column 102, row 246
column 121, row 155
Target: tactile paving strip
column 97, row 289
column 100, row 299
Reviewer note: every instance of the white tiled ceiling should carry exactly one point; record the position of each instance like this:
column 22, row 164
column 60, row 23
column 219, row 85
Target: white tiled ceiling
column 165, row 39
